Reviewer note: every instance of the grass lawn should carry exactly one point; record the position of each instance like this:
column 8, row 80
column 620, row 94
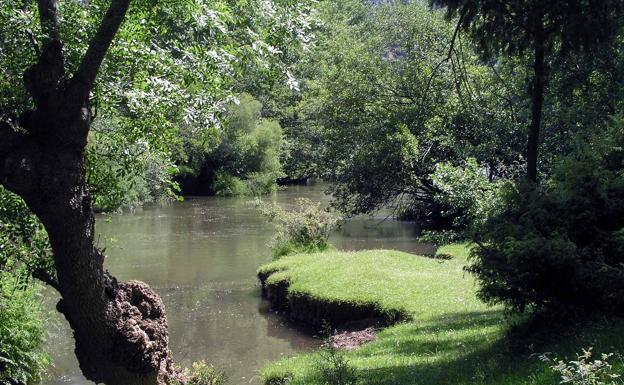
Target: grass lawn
column 452, row 338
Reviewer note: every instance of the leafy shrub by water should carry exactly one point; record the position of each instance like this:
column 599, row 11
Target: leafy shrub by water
column 205, row 374
column 24, row 249
column 305, row 229
column 560, row 246
column 22, row 358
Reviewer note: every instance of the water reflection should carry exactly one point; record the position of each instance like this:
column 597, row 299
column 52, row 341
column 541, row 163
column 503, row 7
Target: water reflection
column 201, row 256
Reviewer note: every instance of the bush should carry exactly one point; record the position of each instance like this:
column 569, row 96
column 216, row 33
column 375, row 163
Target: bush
column 583, row 371
column 333, row 367
column 305, row 229
column 560, row 246
column 22, row 358
column 468, row 193
column 24, row 244
column 229, row 185
column 24, row 248
column 204, row 374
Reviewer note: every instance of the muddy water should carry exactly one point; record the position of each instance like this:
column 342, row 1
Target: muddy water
column 201, row 256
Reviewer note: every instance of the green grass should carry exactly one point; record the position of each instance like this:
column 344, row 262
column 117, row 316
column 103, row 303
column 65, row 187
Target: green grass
column 452, row 337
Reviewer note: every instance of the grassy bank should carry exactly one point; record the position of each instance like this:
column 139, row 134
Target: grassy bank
column 450, row 338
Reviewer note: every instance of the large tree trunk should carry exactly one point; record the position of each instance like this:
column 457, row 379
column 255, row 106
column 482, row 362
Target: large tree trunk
column 537, row 88
column 120, row 329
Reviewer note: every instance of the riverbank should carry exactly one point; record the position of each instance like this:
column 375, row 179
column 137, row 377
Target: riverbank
column 448, row 337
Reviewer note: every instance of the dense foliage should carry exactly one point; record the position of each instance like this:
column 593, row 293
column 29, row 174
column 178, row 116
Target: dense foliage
column 23, row 250
column 163, row 93
column 246, row 160
column 22, row 357
column 389, row 101
column 559, row 246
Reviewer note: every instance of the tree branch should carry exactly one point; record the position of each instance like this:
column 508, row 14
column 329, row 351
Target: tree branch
column 16, row 167
column 48, row 16
column 45, row 277
column 448, row 57
column 84, row 78
column 33, row 41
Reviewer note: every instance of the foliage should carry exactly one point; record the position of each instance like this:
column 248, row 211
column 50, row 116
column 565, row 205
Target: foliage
column 306, row 229
column 121, row 173
column 24, row 242
column 583, row 371
column 468, row 191
column 204, row 374
column 22, row 357
column 24, row 250
column 163, row 91
column 246, row 160
column 548, row 30
column 513, row 26
column 391, row 101
column 560, row 246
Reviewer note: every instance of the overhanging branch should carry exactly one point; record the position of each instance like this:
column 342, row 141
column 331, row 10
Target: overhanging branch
column 84, row 78
column 45, row 277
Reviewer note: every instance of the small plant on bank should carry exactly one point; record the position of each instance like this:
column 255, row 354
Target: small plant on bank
column 305, row 229
column 584, row 371
column 205, row 374
column 333, row 367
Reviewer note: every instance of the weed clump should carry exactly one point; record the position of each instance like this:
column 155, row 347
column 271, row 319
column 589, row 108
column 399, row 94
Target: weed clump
column 305, row 229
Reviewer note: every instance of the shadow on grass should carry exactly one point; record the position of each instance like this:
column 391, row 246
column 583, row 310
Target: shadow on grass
column 479, row 348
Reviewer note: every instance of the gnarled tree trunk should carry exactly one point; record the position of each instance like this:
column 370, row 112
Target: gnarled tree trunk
column 120, row 328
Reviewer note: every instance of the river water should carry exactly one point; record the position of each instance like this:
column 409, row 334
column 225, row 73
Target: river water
column 201, row 256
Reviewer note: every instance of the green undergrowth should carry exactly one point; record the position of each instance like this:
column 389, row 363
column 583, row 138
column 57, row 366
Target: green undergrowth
column 451, row 338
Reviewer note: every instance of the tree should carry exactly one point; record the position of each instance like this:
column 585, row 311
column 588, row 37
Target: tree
column 120, row 329
column 392, row 101
column 548, row 29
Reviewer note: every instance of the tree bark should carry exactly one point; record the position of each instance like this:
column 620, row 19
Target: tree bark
column 120, row 329
column 537, row 89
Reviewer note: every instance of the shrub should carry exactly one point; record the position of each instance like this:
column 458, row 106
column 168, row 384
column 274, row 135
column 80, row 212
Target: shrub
column 583, row 371
column 305, row 229
column 22, row 358
column 560, row 246
column 229, row 185
column 333, row 367
column 204, row 374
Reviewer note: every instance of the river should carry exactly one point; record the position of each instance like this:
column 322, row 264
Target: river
column 201, row 255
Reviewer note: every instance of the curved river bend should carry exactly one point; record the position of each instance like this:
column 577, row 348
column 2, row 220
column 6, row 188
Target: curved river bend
column 201, row 256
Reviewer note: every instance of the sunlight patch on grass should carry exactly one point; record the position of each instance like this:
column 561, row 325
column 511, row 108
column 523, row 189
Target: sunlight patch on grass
column 452, row 338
